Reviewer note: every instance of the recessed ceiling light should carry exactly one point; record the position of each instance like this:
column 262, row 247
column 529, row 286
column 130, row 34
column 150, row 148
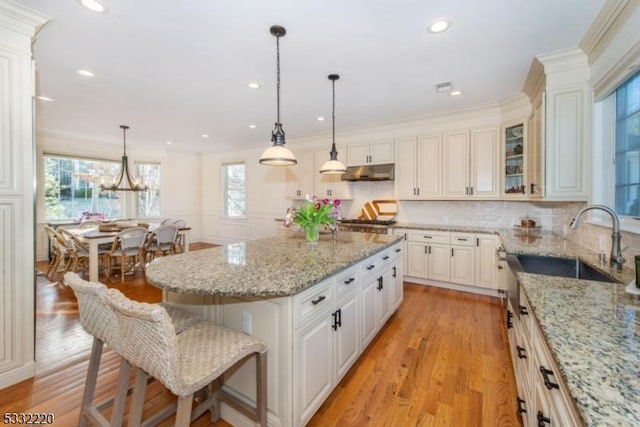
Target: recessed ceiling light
column 204, row 135
column 85, row 73
column 439, row 26
column 321, row 118
column 253, row 85
column 93, row 5
column 252, row 126
column 455, row 93
column 45, row 98
column 169, row 142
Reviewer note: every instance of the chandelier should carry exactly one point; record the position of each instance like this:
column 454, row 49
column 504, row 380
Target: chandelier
column 278, row 154
column 124, row 182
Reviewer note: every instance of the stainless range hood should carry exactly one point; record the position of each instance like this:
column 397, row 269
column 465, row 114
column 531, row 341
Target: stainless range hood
column 369, row 173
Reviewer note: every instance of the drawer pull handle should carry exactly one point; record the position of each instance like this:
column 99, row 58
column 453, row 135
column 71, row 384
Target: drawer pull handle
column 318, row 300
column 542, row 420
column 427, row 237
column 398, row 250
column 462, row 240
column 521, row 352
column 547, row 381
column 349, row 280
column 509, row 319
column 371, row 267
column 394, row 272
column 521, row 409
column 386, row 257
column 523, row 310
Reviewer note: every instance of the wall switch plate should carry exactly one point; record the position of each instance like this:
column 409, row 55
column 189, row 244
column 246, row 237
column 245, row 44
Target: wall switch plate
column 246, row 322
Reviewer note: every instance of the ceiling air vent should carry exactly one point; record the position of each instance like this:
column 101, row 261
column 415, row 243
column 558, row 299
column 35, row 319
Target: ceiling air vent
column 444, row 87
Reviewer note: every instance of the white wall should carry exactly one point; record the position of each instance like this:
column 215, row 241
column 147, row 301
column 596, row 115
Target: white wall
column 266, row 202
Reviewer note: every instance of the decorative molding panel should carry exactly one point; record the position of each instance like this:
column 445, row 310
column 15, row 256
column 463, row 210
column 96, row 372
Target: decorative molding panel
column 7, row 160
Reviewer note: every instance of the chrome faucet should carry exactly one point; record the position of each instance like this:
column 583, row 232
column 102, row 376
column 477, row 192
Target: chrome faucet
column 615, row 259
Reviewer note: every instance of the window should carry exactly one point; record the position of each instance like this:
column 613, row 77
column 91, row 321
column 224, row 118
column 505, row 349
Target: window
column 72, row 187
column 149, row 201
column 233, row 182
column 627, row 151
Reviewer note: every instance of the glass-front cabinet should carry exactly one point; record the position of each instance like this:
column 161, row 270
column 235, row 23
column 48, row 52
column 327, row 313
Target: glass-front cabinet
column 514, row 160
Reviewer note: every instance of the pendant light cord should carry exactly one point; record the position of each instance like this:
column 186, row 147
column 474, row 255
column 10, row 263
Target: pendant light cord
column 333, row 116
column 278, row 76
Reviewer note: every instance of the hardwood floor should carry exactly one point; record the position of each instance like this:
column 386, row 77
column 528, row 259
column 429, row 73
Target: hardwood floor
column 440, row 360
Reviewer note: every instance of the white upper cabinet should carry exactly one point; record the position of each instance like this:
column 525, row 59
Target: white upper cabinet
column 301, row 177
column 370, row 153
column 418, row 168
column 484, row 160
column 456, row 164
column 561, row 95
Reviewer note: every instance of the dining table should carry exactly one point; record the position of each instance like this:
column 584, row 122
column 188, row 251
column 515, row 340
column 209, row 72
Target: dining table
column 93, row 237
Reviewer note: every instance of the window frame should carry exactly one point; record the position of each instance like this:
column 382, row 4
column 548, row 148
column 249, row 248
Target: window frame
column 136, row 166
column 225, row 189
column 124, row 202
column 603, row 182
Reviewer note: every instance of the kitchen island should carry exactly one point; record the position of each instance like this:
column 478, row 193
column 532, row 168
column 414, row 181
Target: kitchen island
column 316, row 307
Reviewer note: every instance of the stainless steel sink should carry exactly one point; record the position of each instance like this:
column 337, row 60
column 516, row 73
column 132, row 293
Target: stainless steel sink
column 563, row 267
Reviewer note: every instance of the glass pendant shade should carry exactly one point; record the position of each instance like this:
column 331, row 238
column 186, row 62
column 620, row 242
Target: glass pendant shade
column 278, row 154
column 333, row 166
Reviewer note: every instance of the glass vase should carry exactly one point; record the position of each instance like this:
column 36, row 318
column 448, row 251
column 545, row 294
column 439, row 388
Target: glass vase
column 312, row 233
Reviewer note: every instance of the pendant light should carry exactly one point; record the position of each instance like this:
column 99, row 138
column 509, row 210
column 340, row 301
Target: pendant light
column 278, row 154
column 333, row 165
column 124, row 182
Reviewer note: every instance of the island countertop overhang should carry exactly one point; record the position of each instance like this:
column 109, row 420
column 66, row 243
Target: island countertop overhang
column 271, row 267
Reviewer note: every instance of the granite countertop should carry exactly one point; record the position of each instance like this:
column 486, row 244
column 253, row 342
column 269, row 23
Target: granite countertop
column 593, row 331
column 275, row 266
column 446, row 227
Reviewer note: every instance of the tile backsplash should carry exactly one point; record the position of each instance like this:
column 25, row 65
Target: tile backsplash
column 555, row 216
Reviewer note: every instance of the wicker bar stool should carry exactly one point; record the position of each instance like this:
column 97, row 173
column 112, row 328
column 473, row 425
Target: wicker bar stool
column 97, row 318
column 185, row 363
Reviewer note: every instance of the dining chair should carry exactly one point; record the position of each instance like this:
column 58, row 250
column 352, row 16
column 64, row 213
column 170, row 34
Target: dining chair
column 160, row 242
column 78, row 252
column 126, row 251
column 98, row 320
column 58, row 252
column 167, row 221
column 185, row 363
column 179, row 223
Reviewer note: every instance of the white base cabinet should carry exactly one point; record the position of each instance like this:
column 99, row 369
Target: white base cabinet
column 468, row 259
column 314, row 337
column 543, row 397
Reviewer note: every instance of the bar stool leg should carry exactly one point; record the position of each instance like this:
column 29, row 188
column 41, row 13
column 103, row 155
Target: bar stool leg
column 261, row 386
column 183, row 415
column 117, row 416
column 137, row 402
column 90, row 384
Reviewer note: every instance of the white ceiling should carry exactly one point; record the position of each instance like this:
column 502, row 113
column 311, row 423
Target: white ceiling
column 174, row 70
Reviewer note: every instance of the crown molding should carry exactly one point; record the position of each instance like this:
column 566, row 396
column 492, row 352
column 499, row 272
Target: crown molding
column 606, row 26
column 20, row 19
column 621, row 71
